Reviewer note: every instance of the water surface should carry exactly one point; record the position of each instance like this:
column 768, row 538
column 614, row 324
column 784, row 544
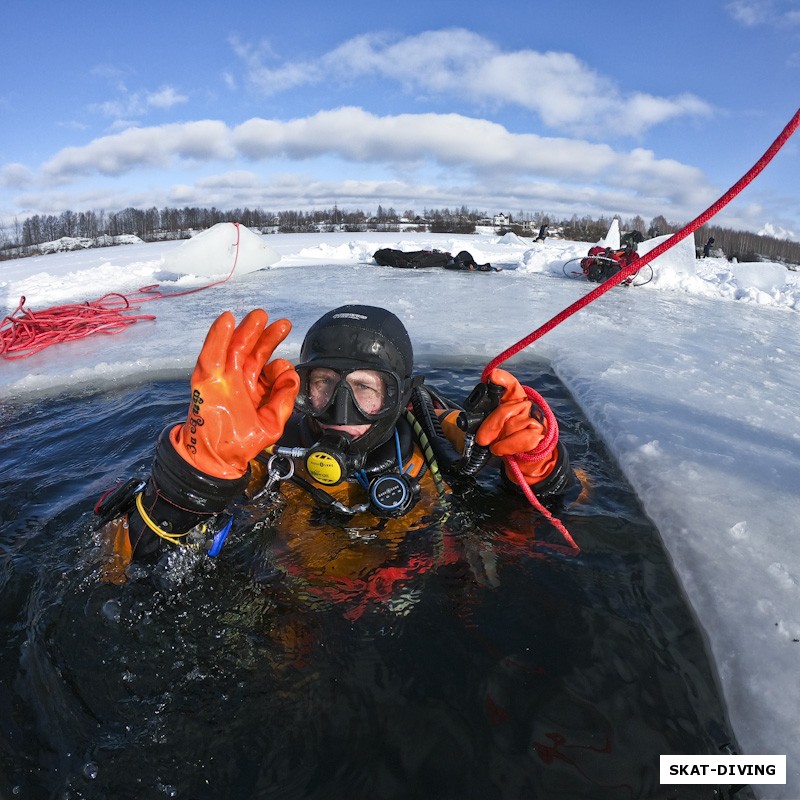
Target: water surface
column 486, row 662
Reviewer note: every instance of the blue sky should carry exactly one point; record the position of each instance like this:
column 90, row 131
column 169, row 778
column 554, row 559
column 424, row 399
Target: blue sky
column 571, row 107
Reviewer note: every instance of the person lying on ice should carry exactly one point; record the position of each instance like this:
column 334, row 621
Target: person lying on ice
column 350, row 430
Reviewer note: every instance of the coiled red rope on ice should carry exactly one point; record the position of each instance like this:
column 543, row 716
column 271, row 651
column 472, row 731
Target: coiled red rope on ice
column 25, row 332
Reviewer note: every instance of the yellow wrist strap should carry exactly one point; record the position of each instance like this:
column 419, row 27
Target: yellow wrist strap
column 174, row 538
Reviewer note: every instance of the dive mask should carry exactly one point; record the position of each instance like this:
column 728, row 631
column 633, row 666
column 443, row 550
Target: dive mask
column 350, row 396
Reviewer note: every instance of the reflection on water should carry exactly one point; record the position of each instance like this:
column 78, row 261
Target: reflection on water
column 481, row 662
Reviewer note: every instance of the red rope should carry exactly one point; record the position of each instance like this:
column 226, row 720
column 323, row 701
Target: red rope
column 536, row 503
column 636, row 265
column 25, row 332
column 613, row 281
column 33, row 331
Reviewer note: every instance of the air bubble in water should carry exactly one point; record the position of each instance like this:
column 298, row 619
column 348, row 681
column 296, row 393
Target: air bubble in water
column 111, row 610
column 90, row 770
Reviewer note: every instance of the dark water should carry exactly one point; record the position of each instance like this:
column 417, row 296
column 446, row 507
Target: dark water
column 515, row 671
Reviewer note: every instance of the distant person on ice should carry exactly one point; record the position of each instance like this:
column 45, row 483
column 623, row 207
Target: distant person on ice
column 707, row 247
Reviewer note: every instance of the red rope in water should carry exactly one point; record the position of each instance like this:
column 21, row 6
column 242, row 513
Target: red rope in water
column 613, row 281
column 25, row 332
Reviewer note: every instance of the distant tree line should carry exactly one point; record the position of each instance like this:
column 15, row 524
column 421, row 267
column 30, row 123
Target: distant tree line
column 744, row 246
column 153, row 224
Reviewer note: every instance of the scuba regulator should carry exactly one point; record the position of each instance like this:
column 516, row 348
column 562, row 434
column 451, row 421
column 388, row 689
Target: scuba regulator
column 330, row 461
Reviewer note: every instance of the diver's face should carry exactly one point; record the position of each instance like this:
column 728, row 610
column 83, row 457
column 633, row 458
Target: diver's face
column 366, row 386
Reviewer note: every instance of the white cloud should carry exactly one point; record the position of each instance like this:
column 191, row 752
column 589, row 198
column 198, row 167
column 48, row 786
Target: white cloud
column 165, row 97
column 566, row 93
column 776, row 232
column 139, row 148
column 15, row 176
column 136, row 104
column 457, row 149
column 452, row 140
column 269, row 80
column 437, row 159
column 290, row 76
column 752, row 13
column 307, row 191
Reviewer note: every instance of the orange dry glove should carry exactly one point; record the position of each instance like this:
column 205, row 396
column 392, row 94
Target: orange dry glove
column 240, row 403
column 511, row 430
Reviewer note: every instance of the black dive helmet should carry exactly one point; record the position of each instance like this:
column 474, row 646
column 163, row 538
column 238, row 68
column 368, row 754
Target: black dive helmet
column 355, row 337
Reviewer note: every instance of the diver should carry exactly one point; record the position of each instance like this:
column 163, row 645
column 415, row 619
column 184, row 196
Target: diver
column 350, row 430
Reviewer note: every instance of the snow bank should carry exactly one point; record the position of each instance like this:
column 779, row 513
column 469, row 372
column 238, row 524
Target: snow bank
column 677, row 263
column 766, row 277
column 611, row 238
column 214, row 252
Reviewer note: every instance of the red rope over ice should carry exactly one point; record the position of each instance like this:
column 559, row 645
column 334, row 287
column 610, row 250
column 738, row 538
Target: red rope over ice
column 662, row 248
column 25, row 332
column 33, row 331
column 613, row 281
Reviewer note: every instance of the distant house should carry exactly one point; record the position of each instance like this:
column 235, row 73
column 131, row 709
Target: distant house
column 501, row 219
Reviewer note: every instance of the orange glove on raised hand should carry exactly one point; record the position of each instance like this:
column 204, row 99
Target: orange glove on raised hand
column 511, row 430
column 240, row 403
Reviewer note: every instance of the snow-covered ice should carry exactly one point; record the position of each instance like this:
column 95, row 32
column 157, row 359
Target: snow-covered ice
column 692, row 381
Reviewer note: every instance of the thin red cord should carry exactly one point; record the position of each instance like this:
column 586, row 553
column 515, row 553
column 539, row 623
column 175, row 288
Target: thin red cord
column 536, row 503
column 660, row 249
column 613, row 281
column 25, row 332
